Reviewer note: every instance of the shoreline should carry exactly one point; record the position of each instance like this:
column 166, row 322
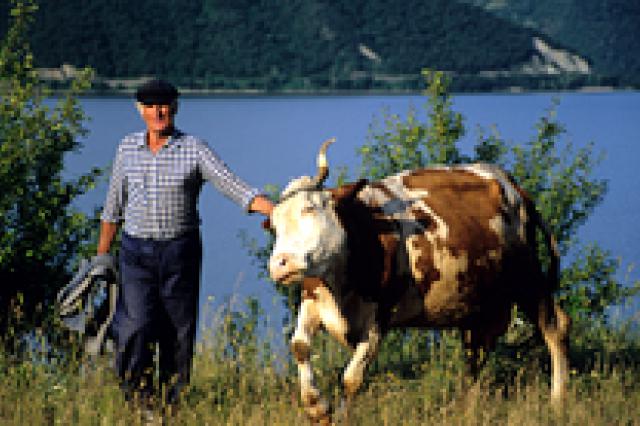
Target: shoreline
column 58, row 81
column 249, row 93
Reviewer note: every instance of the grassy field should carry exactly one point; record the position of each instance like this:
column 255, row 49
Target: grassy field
column 238, row 379
column 31, row 395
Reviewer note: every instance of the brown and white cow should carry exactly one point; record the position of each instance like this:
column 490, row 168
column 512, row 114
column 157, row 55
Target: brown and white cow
column 437, row 247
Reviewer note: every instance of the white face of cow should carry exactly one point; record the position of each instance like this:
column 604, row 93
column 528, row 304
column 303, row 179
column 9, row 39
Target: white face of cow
column 309, row 237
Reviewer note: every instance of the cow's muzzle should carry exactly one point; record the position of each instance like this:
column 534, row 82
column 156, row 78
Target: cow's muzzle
column 283, row 269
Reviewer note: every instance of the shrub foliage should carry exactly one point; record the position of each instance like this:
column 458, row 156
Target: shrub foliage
column 40, row 232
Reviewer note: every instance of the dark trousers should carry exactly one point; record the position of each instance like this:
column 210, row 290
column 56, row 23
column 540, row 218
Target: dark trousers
column 158, row 303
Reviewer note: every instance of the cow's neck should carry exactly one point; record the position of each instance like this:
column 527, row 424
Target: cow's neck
column 372, row 250
column 335, row 279
column 364, row 251
column 354, row 312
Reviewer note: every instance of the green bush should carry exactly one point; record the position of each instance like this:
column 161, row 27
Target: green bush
column 40, row 232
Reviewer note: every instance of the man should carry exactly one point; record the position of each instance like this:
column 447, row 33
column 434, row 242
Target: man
column 155, row 183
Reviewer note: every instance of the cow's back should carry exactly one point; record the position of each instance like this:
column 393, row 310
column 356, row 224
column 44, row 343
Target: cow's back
column 458, row 234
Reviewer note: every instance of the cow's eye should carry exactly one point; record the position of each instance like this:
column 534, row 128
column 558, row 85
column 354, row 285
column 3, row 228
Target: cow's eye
column 308, row 210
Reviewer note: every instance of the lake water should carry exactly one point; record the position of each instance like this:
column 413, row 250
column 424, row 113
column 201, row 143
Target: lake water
column 269, row 140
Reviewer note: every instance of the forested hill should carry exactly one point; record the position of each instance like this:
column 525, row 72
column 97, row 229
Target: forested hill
column 298, row 44
column 606, row 31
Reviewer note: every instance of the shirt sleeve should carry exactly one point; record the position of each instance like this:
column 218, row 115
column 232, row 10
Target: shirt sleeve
column 216, row 171
column 117, row 192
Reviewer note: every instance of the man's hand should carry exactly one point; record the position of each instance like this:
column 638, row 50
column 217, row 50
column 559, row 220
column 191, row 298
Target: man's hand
column 262, row 205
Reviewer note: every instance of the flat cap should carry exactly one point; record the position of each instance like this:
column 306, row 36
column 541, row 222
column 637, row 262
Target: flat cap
column 157, row 92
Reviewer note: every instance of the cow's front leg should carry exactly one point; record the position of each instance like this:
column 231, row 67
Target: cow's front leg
column 362, row 356
column 308, row 322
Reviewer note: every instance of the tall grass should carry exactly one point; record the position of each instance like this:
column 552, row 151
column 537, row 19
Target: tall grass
column 241, row 378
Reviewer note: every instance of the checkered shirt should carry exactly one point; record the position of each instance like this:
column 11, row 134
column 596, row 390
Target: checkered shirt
column 157, row 194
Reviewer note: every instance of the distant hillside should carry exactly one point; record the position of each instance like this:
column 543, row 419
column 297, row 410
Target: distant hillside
column 298, row 44
column 605, row 31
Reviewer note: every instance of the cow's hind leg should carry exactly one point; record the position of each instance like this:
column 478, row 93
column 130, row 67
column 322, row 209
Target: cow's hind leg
column 475, row 352
column 481, row 339
column 554, row 324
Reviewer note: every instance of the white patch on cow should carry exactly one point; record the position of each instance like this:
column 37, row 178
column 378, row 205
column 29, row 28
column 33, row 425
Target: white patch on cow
column 301, row 183
column 415, row 230
column 493, row 172
column 410, row 199
column 498, row 226
column 415, row 248
column 392, row 206
column 372, row 196
column 514, row 231
column 442, row 230
column 415, row 200
column 441, row 295
column 414, row 255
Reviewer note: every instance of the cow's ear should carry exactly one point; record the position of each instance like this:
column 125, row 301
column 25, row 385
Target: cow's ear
column 347, row 193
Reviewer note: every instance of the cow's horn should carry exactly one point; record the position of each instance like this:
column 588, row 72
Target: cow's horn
column 323, row 166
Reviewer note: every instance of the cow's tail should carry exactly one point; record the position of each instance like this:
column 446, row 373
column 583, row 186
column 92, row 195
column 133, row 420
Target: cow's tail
column 536, row 223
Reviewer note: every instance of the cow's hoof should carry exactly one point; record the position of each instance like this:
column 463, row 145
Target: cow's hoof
column 317, row 410
column 324, row 420
column 301, row 350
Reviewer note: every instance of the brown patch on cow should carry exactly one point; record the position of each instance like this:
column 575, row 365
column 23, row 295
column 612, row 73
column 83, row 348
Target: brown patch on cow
column 468, row 257
column 466, row 203
column 309, row 285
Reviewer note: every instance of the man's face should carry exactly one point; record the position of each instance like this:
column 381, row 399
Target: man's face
column 158, row 118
